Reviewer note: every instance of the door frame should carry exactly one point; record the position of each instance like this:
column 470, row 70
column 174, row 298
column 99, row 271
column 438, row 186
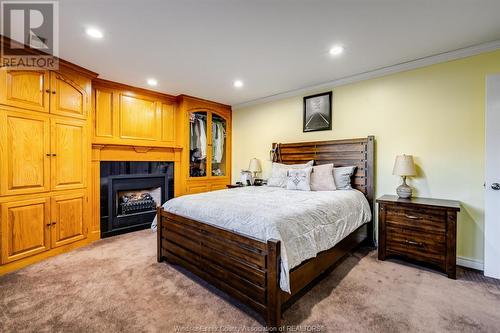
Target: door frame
column 492, row 159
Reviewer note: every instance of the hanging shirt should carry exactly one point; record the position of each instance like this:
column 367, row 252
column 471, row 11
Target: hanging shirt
column 202, row 139
column 218, row 144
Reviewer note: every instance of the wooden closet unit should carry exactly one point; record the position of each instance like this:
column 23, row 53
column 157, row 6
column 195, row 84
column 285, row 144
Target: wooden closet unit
column 55, row 129
column 45, row 162
column 205, row 133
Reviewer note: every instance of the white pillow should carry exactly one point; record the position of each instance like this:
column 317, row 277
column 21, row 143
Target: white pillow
column 322, row 178
column 299, row 179
column 279, row 173
column 343, row 176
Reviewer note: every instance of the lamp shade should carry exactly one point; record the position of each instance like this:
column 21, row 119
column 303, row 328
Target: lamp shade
column 404, row 166
column 254, row 165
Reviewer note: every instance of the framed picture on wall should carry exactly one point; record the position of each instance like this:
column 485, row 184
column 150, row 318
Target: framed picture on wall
column 318, row 112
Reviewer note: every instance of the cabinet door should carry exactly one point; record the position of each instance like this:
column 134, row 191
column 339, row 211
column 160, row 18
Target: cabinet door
column 218, row 145
column 139, row 118
column 168, row 123
column 104, row 113
column 67, row 97
column 69, row 148
column 198, row 145
column 69, row 218
column 25, row 228
column 25, row 89
column 24, row 144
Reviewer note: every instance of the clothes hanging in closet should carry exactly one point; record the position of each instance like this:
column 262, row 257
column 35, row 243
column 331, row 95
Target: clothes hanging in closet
column 219, row 133
column 198, row 136
column 202, row 138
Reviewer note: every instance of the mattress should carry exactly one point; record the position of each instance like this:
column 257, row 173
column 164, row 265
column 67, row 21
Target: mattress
column 306, row 222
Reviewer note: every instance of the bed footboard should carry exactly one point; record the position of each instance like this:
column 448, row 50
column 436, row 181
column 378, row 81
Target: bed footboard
column 244, row 267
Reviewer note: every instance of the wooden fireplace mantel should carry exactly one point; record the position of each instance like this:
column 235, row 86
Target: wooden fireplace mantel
column 110, row 152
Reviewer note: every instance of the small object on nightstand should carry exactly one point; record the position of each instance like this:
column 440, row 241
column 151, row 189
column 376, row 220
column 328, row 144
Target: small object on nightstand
column 258, row 182
column 420, row 229
column 246, row 177
column 404, row 167
column 238, row 184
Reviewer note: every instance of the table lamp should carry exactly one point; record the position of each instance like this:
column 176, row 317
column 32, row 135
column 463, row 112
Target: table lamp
column 254, row 167
column 404, row 167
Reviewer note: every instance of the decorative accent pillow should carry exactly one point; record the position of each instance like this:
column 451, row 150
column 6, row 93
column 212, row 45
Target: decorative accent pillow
column 322, row 178
column 279, row 173
column 343, row 176
column 299, row 179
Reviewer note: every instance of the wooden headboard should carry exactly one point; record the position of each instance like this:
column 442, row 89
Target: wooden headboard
column 358, row 152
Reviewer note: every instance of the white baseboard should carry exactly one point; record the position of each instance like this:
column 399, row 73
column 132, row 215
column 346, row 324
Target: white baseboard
column 470, row 263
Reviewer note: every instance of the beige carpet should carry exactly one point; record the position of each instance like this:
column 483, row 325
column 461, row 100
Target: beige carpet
column 115, row 285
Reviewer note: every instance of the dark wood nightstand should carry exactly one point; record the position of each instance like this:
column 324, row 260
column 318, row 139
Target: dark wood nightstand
column 420, row 229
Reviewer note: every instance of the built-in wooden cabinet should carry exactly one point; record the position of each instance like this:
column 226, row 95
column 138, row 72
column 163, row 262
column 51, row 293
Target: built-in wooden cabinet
column 42, row 154
column 206, row 137
column 44, row 91
column 126, row 115
column 25, row 228
column 36, row 225
column 44, row 162
column 55, row 128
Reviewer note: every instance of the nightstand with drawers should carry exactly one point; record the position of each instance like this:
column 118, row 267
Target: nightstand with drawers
column 419, row 229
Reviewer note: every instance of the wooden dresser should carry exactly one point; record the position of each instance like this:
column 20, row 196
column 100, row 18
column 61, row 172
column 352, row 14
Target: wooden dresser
column 419, row 229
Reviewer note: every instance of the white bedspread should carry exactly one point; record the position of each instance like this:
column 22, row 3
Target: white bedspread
column 306, row 223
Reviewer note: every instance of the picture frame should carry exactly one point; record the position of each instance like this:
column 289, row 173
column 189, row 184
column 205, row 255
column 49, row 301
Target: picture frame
column 317, row 112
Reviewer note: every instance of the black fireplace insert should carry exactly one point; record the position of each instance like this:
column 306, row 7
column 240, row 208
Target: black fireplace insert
column 130, row 193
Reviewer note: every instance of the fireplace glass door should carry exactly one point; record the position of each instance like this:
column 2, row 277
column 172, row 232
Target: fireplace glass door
column 130, row 193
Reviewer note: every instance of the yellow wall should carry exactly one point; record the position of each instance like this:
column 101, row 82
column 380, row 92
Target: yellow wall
column 435, row 113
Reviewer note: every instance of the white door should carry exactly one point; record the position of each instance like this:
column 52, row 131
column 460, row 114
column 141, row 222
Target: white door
column 492, row 195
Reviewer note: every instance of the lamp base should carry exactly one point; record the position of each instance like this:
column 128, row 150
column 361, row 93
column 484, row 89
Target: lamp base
column 404, row 191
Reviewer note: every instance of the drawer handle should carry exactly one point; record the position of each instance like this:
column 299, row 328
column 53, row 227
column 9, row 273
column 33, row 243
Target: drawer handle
column 412, row 217
column 413, row 243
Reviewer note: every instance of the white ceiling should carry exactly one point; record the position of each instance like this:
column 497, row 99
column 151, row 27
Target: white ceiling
column 198, row 47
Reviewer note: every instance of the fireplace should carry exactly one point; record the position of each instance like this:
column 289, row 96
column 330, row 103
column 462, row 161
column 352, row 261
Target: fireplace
column 130, row 193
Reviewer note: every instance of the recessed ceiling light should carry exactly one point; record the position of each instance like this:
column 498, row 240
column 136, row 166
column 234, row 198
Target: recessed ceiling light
column 152, row 82
column 336, row 50
column 238, row 83
column 94, row 33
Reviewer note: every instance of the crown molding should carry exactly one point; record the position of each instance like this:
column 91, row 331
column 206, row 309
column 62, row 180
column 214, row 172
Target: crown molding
column 379, row 72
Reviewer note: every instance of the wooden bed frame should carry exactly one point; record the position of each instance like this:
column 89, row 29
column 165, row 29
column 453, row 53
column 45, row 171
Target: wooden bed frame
column 249, row 269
